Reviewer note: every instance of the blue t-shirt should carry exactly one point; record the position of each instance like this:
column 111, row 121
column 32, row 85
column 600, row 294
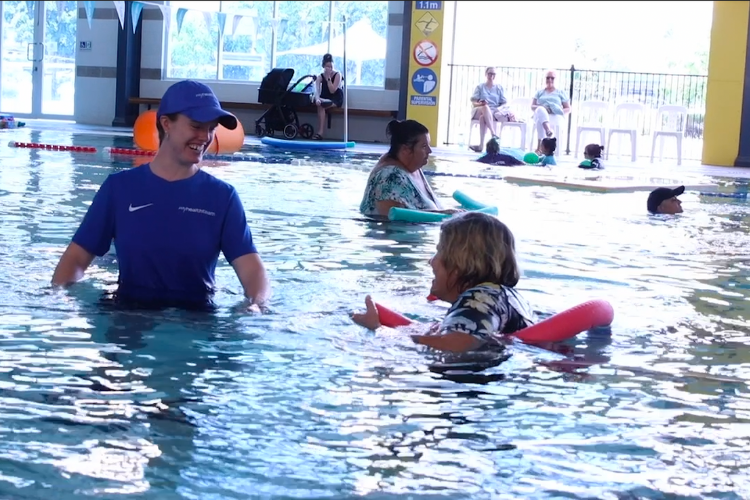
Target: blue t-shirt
column 167, row 235
column 554, row 100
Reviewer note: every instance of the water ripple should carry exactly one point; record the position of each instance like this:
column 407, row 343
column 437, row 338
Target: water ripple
column 300, row 403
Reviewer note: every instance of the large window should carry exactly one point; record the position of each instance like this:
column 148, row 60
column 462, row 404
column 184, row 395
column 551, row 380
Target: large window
column 242, row 41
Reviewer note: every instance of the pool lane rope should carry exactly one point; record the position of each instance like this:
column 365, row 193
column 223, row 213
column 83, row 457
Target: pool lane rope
column 741, row 195
column 206, row 156
column 215, row 157
column 51, row 147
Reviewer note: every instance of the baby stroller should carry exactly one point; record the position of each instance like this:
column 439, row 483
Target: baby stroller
column 282, row 116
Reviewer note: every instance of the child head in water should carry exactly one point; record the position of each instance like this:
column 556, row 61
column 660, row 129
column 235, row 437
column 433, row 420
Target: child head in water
column 548, row 147
column 593, row 151
column 493, row 147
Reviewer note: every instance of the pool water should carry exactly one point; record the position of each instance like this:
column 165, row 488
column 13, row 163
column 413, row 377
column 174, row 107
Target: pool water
column 301, row 403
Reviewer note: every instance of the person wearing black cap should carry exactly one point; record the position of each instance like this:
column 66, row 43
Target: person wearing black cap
column 169, row 219
column 665, row 201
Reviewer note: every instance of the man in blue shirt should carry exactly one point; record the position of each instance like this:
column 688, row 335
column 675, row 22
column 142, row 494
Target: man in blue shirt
column 169, row 219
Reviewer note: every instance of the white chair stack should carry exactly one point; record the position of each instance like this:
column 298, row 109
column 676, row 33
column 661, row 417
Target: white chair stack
column 592, row 117
column 627, row 120
column 670, row 122
column 521, row 108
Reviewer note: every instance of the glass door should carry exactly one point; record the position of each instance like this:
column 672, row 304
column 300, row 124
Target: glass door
column 37, row 58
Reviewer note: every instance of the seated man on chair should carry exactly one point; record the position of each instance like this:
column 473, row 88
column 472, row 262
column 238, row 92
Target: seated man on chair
column 489, row 107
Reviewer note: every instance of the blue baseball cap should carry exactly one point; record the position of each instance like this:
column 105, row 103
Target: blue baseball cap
column 196, row 101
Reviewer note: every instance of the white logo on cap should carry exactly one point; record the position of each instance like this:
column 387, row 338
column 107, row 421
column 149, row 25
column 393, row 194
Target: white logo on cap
column 204, row 94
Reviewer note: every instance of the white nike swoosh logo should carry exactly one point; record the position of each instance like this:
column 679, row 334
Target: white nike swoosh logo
column 131, row 208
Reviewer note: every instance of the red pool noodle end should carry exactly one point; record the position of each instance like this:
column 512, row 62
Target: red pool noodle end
column 569, row 323
column 390, row 318
column 432, row 298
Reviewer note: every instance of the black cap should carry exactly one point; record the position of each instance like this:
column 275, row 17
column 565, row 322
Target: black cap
column 659, row 195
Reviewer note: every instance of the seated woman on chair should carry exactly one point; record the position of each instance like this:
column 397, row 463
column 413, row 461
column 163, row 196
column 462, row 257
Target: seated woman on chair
column 329, row 92
column 550, row 105
column 489, row 107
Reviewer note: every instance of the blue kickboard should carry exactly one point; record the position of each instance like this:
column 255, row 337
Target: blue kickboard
column 287, row 144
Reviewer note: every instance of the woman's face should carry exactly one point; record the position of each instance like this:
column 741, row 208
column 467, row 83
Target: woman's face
column 441, row 287
column 417, row 157
column 328, row 66
column 550, row 79
column 186, row 139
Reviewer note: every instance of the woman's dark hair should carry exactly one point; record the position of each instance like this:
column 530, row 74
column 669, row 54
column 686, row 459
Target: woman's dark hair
column 404, row 133
column 493, row 147
column 160, row 130
column 594, row 150
column 549, row 144
column 327, row 58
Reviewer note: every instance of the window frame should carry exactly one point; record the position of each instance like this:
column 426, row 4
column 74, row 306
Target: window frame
column 220, row 37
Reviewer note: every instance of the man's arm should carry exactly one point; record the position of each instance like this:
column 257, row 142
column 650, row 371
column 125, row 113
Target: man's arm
column 93, row 237
column 72, row 266
column 252, row 274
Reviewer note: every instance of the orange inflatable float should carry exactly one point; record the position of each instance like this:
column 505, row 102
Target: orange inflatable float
column 146, row 136
column 227, row 141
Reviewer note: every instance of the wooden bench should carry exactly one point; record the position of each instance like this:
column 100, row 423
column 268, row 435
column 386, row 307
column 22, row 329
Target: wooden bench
column 371, row 113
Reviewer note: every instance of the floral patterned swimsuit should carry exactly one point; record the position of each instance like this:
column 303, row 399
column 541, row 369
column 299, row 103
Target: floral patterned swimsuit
column 486, row 311
column 392, row 183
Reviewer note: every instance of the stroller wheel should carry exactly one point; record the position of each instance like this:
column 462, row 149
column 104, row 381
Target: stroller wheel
column 290, row 131
column 306, row 131
column 259, row 131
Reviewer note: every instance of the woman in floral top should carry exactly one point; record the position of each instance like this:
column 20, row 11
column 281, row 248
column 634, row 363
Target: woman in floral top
column 397, row 180
column 476, row 271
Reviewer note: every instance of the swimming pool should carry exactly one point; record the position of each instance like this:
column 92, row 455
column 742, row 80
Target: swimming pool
column 300, row 403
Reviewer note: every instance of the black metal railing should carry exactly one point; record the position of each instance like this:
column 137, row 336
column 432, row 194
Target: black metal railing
column 651, row 89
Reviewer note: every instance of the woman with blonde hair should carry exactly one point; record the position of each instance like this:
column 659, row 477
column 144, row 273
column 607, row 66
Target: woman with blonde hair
column 475, row 270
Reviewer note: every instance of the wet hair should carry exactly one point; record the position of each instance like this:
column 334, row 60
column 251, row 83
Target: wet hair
column 594, row 150
column 404, row 133
column 549, row 144
column 493, row 147
column 487, row 69
column 160, row 130
column 477, row 248
column 327, row 58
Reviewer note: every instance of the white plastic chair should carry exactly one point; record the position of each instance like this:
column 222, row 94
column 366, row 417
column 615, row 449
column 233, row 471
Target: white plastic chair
column 557, row 123
column 626, row 121
column 592, row 118
column 474, row 123
column 521, row 108
column 670, row 122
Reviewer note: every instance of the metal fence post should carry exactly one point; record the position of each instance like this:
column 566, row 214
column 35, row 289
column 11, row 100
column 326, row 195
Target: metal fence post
column 570, row 115
column 450, row 107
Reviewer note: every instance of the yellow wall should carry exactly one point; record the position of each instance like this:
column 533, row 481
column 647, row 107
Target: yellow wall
column 425, row 53
column 726, row 80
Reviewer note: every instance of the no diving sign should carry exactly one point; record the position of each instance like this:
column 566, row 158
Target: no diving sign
column 425, row 53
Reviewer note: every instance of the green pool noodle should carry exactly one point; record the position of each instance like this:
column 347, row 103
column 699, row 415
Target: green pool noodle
column 585, row 164
column 531, row 158
column 467, row 202
column 487, row 210
column 408, row 215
